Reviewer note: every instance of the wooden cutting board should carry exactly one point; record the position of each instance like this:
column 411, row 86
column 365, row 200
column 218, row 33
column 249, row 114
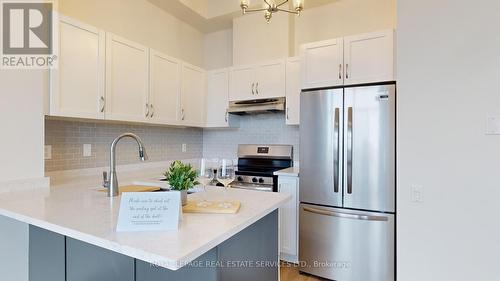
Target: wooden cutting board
column 212, row 207
column 134, row 188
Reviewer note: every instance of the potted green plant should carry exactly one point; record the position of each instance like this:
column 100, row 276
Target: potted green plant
column 181, row 177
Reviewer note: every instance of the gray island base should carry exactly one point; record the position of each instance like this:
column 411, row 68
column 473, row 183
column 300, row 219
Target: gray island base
column 251, row 254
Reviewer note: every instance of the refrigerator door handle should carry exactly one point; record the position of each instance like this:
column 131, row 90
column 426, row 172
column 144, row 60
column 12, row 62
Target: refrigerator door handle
column 345, row 216
column 349, row 150
column 337, row 151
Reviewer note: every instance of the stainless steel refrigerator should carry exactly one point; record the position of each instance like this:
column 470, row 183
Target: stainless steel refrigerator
column 347, row 183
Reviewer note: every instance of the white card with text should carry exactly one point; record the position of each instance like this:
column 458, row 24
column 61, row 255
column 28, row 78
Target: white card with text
column 149, row 211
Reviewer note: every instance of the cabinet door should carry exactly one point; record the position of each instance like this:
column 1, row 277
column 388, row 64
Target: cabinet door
column 322, row 64
column 193, row 95
column 217, row 98
column 369, row 57
column 242, row 83
column 127, row 80
column 289, row 219
column 165, row 83
column 77, row 87
column 270, row 80
column 293, row 91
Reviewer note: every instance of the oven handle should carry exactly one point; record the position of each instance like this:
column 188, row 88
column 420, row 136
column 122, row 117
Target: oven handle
column 268, row 189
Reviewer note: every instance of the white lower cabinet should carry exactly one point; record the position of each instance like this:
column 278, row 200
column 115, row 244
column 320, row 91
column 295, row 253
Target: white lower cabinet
column 289, row 219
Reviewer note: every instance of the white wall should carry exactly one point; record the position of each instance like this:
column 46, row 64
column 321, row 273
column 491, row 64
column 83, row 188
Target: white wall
column 140, row 21
column 255, row 41
column 448, row 73
column 218, row 49
column 21, row 122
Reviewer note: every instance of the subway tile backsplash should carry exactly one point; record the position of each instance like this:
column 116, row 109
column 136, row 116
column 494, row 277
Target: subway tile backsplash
column 254, row 129
column 67, row 138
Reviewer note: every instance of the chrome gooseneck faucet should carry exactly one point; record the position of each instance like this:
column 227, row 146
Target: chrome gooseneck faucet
column 112, row 182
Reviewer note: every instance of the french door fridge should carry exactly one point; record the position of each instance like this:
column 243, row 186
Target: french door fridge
column 347, row 183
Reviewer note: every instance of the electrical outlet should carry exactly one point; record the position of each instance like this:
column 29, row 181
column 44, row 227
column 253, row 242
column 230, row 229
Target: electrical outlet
column 184, row 147
column 48, row 152
column 87, row 150
column 417, row 193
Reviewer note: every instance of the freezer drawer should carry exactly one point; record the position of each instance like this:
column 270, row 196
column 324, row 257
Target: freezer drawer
column 345, row 245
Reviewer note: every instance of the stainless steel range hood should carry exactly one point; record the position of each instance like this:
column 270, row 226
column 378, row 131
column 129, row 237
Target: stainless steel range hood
column 257, row 106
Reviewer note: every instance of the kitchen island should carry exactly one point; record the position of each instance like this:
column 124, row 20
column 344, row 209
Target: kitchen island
column 73, row 237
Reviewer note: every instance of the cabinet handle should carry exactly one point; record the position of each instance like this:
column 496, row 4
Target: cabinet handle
column 152, row 111
column 257, row 88
column 226, row 116
column 182, row 114
column 288, row 113
column 340, row 71
column 147, row 110
column 103, row 104
column 253, row 85
column 347, row 71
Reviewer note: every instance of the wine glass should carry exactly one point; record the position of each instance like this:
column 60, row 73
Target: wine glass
column 226, row 172
column 205, row 173
column 226, row 175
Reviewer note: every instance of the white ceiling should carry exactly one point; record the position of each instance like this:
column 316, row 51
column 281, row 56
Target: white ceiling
column 212, row 15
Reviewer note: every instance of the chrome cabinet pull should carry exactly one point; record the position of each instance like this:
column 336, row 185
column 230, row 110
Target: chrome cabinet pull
column 182, row 114
column 257, row 88
column 349, row 149
column 340, row 71
column 345, row 216
column 347, row 71
column 152, row 111
column 226, row 117
column 337, row 150
column 147, row 109
column 253, row 91
column 103, row 104
column 288, row 113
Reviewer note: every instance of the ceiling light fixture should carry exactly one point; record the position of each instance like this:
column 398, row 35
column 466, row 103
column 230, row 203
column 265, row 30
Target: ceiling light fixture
column 270, row 7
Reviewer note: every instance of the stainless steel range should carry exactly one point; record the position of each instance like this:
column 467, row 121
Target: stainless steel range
column 257, row 163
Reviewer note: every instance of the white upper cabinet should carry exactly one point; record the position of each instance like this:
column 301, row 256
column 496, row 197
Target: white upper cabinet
column 358, row 59
column 127, row 80
column 165, row 88
column 193, row 96
column 217, row 98
column 261, row 81
column 77, row 86
column 322, row 64
column 369, row 57
column 293, row 90
column 242, row 81
column 270, row 80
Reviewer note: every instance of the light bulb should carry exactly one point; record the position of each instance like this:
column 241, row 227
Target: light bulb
column 298, row 5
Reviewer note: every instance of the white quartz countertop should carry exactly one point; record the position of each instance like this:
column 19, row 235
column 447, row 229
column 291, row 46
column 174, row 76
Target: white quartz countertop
column 292, row 172
column 75, row 209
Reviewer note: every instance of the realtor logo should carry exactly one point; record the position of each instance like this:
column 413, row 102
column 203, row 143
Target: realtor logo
column 28, row 33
